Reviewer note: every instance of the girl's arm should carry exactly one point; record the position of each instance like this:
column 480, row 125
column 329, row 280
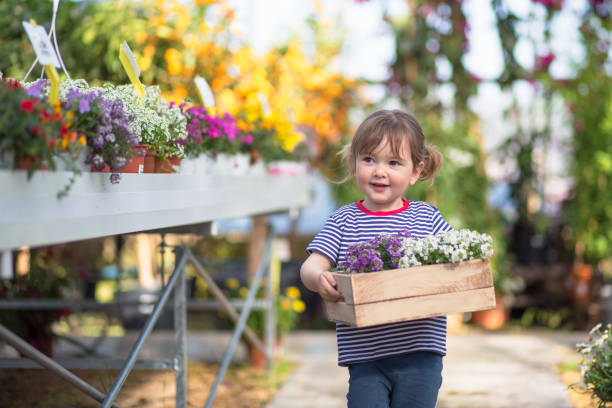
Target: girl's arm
column 316, row 277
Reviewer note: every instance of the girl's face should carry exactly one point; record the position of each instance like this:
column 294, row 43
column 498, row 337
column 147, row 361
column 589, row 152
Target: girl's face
column 383, row 177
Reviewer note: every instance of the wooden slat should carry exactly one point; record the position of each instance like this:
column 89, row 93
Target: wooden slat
column 411, row 308
column 416, row 281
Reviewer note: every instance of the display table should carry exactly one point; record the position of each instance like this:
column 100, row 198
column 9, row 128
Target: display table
column 31, row 214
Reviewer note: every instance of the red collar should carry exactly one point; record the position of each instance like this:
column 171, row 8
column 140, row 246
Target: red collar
column 359, row 205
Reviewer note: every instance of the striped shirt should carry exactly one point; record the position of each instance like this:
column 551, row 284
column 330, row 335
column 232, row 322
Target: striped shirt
column 353, row 223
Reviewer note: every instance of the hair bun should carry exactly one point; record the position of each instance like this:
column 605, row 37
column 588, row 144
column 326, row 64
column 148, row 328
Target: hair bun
column 433, row 161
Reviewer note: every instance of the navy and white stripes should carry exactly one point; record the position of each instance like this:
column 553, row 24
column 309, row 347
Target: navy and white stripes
column 354, row 223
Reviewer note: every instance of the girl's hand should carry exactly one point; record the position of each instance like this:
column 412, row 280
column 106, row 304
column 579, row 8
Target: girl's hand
column 327, row 287
column 316, row 277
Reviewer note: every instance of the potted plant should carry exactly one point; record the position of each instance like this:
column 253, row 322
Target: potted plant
column 160, row 126
column 288, row 305
column 38, row 135
column 213, row 136
column 29, row 128
column 596, row 366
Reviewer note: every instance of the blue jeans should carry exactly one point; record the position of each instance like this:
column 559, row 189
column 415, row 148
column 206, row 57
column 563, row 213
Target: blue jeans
column 407, row 381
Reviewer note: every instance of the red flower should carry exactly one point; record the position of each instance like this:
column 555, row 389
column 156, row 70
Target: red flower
column 27, row 105
column 12, row 83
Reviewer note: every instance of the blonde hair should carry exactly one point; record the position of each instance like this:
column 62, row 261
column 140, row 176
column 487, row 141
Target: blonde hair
column 397, row 128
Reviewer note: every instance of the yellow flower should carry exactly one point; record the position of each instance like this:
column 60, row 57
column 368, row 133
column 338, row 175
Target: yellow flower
column 286, row 304
column 299, row 306
column 232, row 283
column 144, row 63
column 141, row 37
column 70, row 115
column 83, row 140
column 243, row 292
column 64, row 143
column 293, row 292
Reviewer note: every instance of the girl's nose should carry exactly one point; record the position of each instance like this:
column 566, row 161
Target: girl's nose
column 378, row 170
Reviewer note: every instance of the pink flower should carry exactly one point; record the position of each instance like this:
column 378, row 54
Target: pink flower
column 248, row 139
column 542, row 62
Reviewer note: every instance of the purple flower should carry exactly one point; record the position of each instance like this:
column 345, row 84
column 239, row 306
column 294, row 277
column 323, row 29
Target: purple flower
column 84, row 106
column 376, row 254
column 36, row 89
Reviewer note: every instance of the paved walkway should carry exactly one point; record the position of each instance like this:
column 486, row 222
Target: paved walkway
column 481, row 370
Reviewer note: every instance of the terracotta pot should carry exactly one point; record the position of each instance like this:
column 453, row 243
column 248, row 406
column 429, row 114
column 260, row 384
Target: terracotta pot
column 257, row 359
column 581, row 284
column 25, row 163
column 135, row 165
column 492, row 319
column 167, row 165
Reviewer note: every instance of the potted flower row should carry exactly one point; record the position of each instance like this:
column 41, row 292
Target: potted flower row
column 113, row 129
column 397, row 277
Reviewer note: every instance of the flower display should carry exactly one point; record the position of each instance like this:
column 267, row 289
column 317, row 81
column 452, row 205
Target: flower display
column 382, row 252
column 401, row 250
column 29, row 127
column 596, row 365
column 211, row 134
column 288, row 306
column 448, row 247
column 98, row 122
column 153, row 121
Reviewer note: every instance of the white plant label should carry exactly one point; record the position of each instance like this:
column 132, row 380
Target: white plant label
column 208, row 99
column 263, row 100
column 42, row 46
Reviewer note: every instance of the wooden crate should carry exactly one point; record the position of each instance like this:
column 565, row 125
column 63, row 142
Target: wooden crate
column 412, row 293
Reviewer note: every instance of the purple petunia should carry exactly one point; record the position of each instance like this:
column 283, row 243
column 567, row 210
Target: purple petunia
column 380, row 252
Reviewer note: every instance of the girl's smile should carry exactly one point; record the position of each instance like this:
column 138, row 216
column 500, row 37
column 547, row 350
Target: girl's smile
column 383, row 177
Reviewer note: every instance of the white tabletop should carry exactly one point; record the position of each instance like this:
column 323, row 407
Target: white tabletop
column 31, row 214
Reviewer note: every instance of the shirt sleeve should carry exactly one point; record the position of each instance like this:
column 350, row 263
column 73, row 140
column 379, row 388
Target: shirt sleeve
column 438, row 224
column 327, row 242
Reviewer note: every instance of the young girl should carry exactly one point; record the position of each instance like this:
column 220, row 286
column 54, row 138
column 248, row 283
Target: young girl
column 397, row 364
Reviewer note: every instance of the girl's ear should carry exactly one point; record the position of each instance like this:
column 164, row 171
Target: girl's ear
column 416, row 172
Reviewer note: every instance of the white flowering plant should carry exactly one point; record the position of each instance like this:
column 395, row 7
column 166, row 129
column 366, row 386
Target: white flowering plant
column 596, row 365
column 401, row 250
column 448, row 247
column 155, row 122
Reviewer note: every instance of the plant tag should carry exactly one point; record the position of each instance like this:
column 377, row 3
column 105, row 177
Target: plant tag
column 42, row 46
column 263, row 100
column 206, row 95
column 55, row 83
column 131, row 67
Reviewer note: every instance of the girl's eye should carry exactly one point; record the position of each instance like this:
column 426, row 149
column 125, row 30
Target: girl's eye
column 368, row 159
column 394, row 163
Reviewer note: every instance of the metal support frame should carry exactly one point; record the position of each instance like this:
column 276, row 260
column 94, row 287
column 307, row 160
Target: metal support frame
column 244, row 314
column 29, row 351
column 177, row 286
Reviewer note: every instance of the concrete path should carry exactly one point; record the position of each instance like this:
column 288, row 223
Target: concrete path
column 492, row 370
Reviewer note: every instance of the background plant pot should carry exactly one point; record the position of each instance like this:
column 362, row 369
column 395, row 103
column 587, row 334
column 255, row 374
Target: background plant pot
column 492, row 319
column 149, row 160
column 135, row 165
column 167, row 164
column 25, row 163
